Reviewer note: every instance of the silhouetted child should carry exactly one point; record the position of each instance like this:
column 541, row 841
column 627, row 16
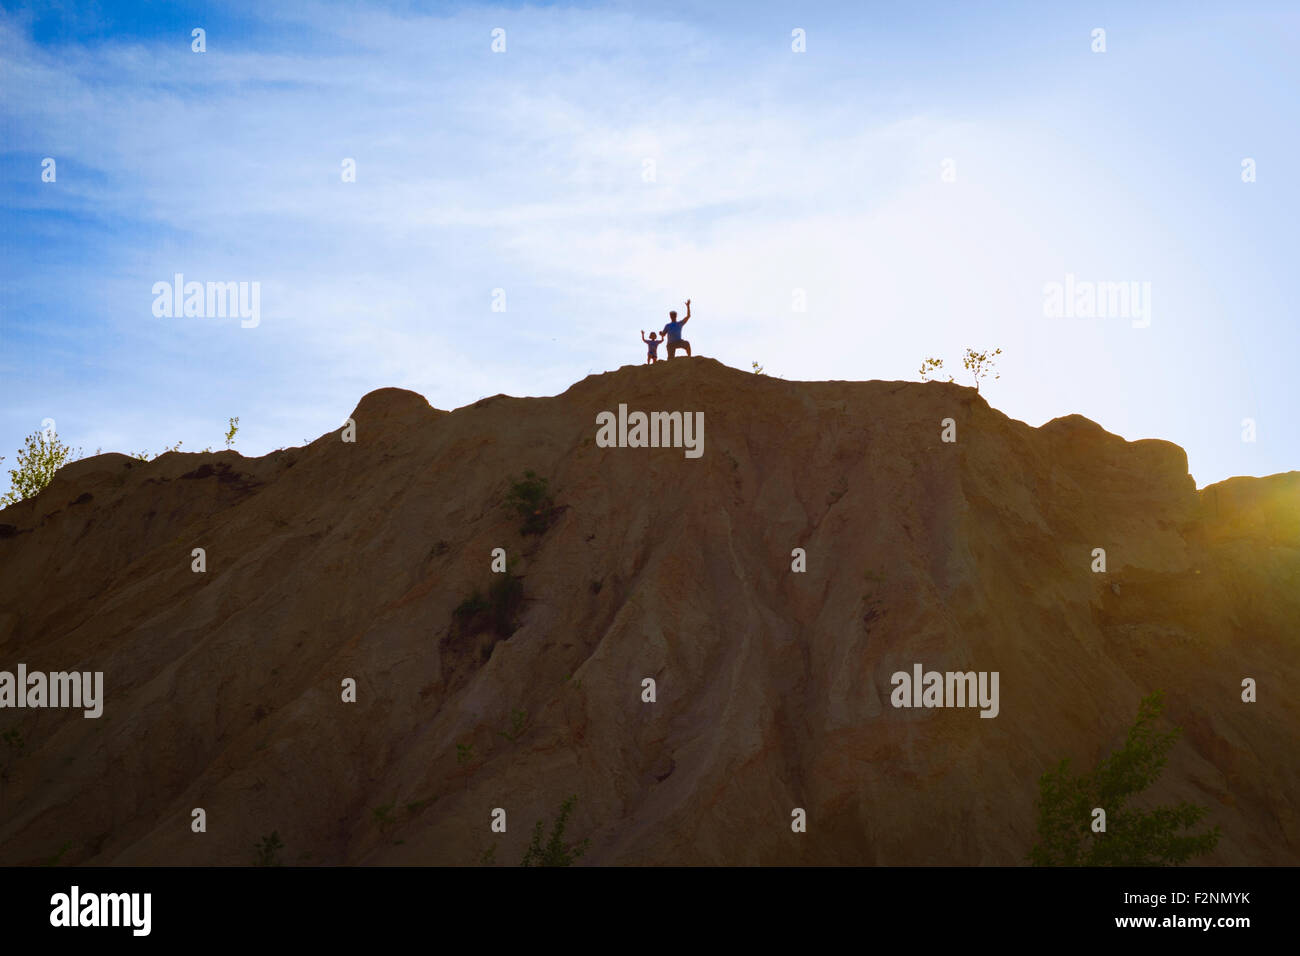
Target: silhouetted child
column 652, row 344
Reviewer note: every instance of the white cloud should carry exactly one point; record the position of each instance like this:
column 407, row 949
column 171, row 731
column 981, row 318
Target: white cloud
column 524, row 171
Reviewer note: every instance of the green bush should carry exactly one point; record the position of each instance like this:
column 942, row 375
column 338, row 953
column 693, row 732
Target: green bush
column 497, row 611
column 518, row 719
column 40, row 457
column 472, row 606
column 555, row 852
column 530, row 500
column 930, row 368
column 1133, row 837
column 145, row 456
column 979, row 364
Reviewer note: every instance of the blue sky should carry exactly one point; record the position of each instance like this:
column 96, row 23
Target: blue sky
column 774, row 171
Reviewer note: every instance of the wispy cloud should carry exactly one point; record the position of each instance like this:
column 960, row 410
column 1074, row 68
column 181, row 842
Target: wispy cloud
column 527, row 172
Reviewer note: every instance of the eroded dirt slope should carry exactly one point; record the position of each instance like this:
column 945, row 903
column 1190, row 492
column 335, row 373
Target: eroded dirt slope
column 348, row 559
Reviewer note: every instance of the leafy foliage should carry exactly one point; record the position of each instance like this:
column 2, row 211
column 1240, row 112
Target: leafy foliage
column 530, row 499
column 979, row 364
column 518, row 719
column 145, row 456
column 1133, row 837
column 498, row 610
column 473, row 605
column 42, row 454
column 555, row 852
column 930, row 369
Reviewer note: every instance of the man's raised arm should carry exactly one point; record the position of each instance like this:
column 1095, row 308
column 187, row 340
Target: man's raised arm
column 688, row 312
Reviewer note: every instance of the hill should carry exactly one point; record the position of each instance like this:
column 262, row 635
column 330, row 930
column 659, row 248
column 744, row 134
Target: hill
column 222, row 689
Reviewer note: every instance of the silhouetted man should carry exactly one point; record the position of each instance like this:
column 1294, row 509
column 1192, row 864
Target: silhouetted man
column 673, row 332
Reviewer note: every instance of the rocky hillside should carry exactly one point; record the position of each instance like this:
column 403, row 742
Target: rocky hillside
column 223, row 688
